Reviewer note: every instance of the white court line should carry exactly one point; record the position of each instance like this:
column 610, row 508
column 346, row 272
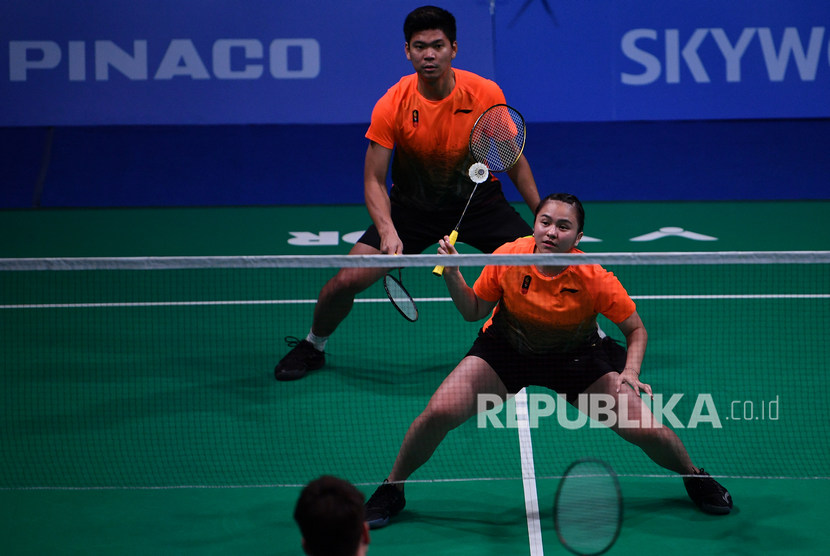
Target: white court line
column 377, row 300
column 198, row 303
column 671, row 477
column 738, row 296
column 534, row 525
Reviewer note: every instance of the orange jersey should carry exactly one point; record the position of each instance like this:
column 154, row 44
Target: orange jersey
column 431, row 139
column 543, row 314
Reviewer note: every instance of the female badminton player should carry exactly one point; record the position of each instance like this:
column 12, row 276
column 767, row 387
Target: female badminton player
column 543, row 332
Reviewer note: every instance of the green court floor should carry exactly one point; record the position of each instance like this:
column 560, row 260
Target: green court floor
column 771, row 517
column 160, row 430
column 745, row 226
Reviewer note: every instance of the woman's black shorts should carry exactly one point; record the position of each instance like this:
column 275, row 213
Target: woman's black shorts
column 565, row 373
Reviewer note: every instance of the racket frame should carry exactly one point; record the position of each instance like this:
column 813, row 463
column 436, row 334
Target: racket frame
column 482, row 159
column 619, row 504
column 409, row 300
column 439, row 269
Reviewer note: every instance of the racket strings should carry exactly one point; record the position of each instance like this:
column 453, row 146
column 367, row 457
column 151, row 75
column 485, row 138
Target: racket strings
column 497, row 141
column 588, row 509
column 499, row 138
column 399, row 297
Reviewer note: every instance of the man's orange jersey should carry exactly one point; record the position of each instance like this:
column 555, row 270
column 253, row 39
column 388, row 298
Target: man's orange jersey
column 431, row 139
column 543, row 314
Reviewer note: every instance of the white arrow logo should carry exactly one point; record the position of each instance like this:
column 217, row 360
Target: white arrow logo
column 670, row 231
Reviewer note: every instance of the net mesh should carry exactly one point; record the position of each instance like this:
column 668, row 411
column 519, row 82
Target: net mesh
column 153, row 373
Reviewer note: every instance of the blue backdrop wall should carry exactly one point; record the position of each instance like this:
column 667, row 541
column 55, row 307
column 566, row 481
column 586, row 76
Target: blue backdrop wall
column 187, row 102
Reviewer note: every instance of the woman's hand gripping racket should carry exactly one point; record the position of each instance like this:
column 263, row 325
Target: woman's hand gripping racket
column 496, row 143
column 588, row 509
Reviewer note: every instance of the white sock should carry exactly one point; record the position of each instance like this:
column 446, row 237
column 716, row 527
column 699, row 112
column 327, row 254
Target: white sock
column 319, row 342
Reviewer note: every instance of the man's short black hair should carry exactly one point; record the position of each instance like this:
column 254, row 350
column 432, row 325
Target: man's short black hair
column 427, row 18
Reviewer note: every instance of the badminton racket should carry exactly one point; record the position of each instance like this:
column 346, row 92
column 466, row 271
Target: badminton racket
column 587, row 512
column 496, row 144
column 399, row 297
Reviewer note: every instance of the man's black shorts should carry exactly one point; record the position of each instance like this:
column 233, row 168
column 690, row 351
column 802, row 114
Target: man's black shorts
column 565, row 373
column 488, row 224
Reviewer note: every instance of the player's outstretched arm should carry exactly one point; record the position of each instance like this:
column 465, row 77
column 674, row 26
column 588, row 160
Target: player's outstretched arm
column 471, row 307
column 636, row 339
column 377, row 197
column 522, row 177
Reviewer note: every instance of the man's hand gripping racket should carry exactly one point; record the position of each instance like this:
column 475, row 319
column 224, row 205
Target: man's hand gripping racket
column 496, row 144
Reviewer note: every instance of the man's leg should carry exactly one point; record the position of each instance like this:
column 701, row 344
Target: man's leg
column 337, row 297
column 333, row 305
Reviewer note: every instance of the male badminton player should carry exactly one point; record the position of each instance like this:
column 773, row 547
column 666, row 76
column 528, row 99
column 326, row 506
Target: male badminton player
column 543, row 332
column 420, row 127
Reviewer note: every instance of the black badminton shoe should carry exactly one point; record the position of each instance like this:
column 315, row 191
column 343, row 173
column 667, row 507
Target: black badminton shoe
column 302, row 358
column 384, row 504
column 708, row 494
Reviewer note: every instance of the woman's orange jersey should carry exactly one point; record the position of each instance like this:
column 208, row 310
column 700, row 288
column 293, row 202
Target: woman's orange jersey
column 543, row 314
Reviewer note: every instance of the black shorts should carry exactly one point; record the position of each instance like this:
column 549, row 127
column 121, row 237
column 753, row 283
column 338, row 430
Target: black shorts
column 565, row 373
column 489, row 223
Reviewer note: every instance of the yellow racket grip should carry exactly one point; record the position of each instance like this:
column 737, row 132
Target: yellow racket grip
column 439, row 270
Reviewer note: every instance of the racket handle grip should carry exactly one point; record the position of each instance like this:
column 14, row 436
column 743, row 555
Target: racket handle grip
column 439, row 270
